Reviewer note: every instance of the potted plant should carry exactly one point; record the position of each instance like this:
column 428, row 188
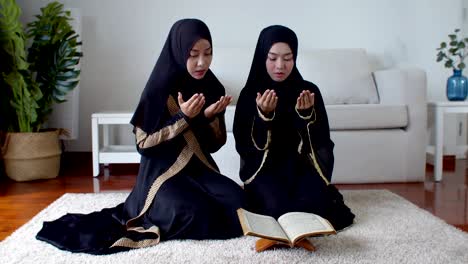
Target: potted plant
column 453, row 54
column 32, row 80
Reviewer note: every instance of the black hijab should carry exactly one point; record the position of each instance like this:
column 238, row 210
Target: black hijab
column 258, row 79
column 286, row 120
column 170, row 76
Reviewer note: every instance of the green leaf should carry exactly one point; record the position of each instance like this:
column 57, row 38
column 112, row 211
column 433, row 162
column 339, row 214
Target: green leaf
column 70, row 63
column 59, row 98
column 67, row 75
column 19, row 92
column 55, row 56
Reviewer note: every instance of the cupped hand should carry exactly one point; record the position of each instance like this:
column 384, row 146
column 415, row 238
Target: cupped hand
column 218, row 106
column 192, row 106
column 267, row 101
column 305, row 100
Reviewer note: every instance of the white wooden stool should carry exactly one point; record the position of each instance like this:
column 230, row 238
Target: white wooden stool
column 107, row 153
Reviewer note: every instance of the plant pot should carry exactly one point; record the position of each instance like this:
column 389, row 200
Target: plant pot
column 32, row 156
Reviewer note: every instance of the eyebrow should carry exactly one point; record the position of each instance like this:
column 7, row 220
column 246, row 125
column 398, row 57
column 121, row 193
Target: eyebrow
column 276, row 54
column 199, row 50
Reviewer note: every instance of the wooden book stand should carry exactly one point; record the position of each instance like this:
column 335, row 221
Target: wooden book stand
column 263, row 244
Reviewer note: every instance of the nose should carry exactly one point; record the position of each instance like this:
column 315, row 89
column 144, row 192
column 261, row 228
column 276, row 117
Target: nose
column 279, row 64
column 201, row 61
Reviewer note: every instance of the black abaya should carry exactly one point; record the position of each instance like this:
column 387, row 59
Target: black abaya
column 287, row 158
column 179, row 193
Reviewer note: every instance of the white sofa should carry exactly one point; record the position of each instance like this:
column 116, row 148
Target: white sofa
column 377, row 118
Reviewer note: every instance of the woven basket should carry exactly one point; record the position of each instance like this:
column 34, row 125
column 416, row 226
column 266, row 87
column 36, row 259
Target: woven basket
column 32, row 156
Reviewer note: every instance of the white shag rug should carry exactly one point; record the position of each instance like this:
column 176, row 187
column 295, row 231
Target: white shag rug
column 388, row 229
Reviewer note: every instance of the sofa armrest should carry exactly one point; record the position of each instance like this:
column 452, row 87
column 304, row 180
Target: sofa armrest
column 404, row 86
column 408, row 86
column 401, row 86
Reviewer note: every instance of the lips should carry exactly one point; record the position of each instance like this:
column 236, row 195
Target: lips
column 200, row 73
column 279, row 74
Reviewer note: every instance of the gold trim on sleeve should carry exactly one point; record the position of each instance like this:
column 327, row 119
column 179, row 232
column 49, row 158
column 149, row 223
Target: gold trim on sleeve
column 314, row 160
column 299, row 148
column 265, row 154
column 166, row 133
column 255, row 143
column 264, row 118
column 249, row 180
column 309, row 116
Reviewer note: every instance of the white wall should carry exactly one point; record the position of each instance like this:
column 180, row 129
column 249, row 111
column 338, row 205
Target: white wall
column 122, row 38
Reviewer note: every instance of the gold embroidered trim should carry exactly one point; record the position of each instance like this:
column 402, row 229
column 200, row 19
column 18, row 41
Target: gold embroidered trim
column 153, row 229
column 249, row 180
column 182, row 160
column 145, row 141
column 172, row 105
column 312, row 156
column 309, row 116
column 264, row 117
column 190, row 137
column 179, row 164
column 265, row 154
column 195, row 147
column 253, row 139
column 127, row 242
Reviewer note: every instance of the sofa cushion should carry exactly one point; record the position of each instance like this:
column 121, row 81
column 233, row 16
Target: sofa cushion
column 367, row 116
column 344, row 76
column 353, row 117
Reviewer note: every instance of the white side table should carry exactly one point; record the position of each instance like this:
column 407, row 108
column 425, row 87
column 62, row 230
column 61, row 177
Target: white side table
column 440, row 109
column 110, row 153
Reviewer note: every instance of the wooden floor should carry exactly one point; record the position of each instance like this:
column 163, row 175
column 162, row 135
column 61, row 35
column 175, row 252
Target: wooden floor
column 19, row 202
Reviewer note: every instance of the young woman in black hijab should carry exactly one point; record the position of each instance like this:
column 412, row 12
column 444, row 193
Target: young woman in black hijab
column 179, row 193
column 283, row 137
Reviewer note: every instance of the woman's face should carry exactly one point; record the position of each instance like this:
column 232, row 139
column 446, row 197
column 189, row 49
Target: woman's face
column 280, row 61
column 199, row 59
